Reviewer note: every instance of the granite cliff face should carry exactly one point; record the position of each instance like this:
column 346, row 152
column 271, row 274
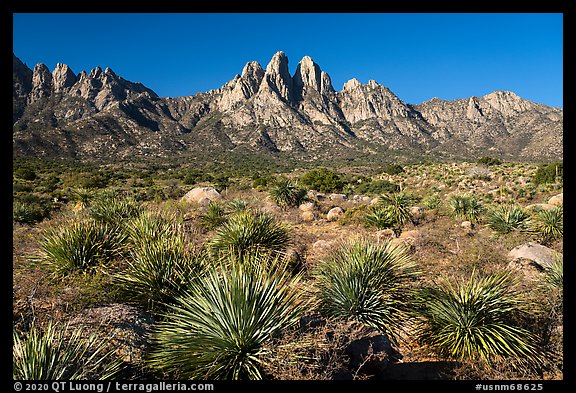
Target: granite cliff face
column 100, row 115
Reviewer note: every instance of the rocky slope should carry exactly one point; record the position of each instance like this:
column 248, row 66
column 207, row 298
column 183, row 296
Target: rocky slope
column 101, row 115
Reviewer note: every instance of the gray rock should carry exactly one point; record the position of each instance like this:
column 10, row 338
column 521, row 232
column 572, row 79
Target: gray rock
column 371, row 355
column 308, row 215
column 198, row 193
column 334, row 213
column 337, row 197
column 536, row 254
column 556, row 200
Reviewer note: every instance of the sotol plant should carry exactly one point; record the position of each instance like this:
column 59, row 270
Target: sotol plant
column 506, row 218
column 218, row 329
column 78, row 245
column 464, row 207
column 474, row 320
column 157, row 272
column 287, row 194
column 50, row 355
column 246, row 231
column 548, row 225
column 368, row 283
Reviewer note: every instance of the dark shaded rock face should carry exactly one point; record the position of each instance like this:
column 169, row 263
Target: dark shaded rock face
column 101, row 115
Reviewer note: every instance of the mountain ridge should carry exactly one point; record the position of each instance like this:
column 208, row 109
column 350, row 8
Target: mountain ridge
column 102, row 115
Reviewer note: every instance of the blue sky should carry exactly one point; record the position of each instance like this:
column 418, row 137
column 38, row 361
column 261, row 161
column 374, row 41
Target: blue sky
column 417, row 56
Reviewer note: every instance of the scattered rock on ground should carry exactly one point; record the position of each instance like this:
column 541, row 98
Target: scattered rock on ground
column 308, row 216
column 337, row 197
column 334, row 213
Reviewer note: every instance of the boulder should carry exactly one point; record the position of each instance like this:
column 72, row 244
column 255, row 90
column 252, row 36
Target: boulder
column 308, row 216
column 385, row 234
column 307, row 207
column 205, row 201
column 543, row 206
column 556, row 200
column 337, row 197
column 334, row 213
column 322, row 245
column 417, row 212
column 197, row 193
column 467, row 225
column 370, row 355
column 533, row 254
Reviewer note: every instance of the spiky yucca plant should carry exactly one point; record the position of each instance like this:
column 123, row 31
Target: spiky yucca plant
column 214, row 217
column 465, row 207
column 149, row 227
column 78, row 245
column 473, row 320
column 217, row 330
column 237, row 205
column 506, row 218
column 287, row 194
column 114, row 211
column 245, row 231
column 397, row 205
column 548, row 225
column 554, row 275
column 368, row 283
column 49, row 355
column 157, row 272
column 379, row 218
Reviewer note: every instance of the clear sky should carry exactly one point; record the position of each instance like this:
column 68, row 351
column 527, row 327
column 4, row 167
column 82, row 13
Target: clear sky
column 417, row 56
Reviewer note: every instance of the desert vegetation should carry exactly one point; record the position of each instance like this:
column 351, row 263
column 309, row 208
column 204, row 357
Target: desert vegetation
column 345, row 272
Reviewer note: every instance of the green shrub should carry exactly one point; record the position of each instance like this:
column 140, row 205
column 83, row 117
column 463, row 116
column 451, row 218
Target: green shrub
column 474, row 320
column 506, row 218
column 51, row 355
column 368, row 283
column 287, row 194
column 26, row 173
column 246, row 231
column 393, row 169
column 218, row 329
column 489, row 161
column 377, row 187
column 548, row 173
column 237, row 205
column 149, row 227
column 28, row 213
column 322, row 180
column 431, row 202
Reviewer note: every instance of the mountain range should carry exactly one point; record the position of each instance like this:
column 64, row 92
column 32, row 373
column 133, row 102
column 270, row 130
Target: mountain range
column 100, row 115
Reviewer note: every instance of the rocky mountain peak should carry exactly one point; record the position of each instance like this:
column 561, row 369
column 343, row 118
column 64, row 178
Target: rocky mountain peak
column 507, row 102
column 352, row 84
column 96, row 73
column 41, row 82
column 308, row 76
column 63, row 78
column 277, row 77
